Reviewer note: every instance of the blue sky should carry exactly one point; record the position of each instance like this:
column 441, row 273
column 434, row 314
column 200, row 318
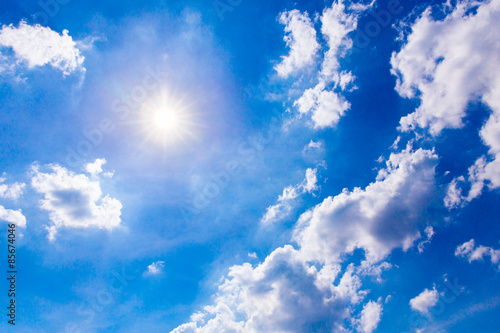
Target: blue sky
column 236, row 166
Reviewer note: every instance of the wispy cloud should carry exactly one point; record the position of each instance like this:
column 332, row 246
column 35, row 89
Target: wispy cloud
column 155, row 268
column 286, row 200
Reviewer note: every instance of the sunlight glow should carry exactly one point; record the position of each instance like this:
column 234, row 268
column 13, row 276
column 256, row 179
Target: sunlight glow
column 165, row 119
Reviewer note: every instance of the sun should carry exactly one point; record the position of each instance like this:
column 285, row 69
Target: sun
column 165, row 119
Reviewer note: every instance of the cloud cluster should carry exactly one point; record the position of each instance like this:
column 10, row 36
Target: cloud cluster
column 38, row 46
column 304, row 289
column 387, row 214
column 282, row 294
column 448, row 63
column 471, row 252
column 74, row 201
column 323, row 101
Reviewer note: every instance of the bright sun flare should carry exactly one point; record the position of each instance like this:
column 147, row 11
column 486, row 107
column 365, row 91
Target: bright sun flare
column 165, row 119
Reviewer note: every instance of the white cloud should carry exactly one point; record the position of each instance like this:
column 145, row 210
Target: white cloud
column 282, row 294
column 370, row 317
column 448, row 73
column 454, row 196
column 39, row 46
column 314, row 145
column 326, row 105
column 74, row 201
column 286, row 200
column 429, row 233
column 12, row 191
column 95, row 168
column 108, row 174
column 426, row 300
column 252, row 255
column 472, row 253
column 13, row 216
column 374, row 270
column 301, row 39
column 448, row 63
column 476, row 181
column 155, row 268
column 385, row 215
column 337, row 23
column 304, row 289
column 311, row 181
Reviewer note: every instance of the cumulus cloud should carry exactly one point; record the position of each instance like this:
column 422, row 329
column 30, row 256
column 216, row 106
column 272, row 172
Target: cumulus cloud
column 305, row 289
column 426, row 300
column 471, row 252
column 301, row 39
column 95, row 168
column 74, row 201
column 370, row 317
column 12, row 191
column 13, row 216
column 155, row 268
column 386, row 214
column 286, row 200
column 448, row 63
column 38, row 46
column 282, row 294
column 327, row 107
